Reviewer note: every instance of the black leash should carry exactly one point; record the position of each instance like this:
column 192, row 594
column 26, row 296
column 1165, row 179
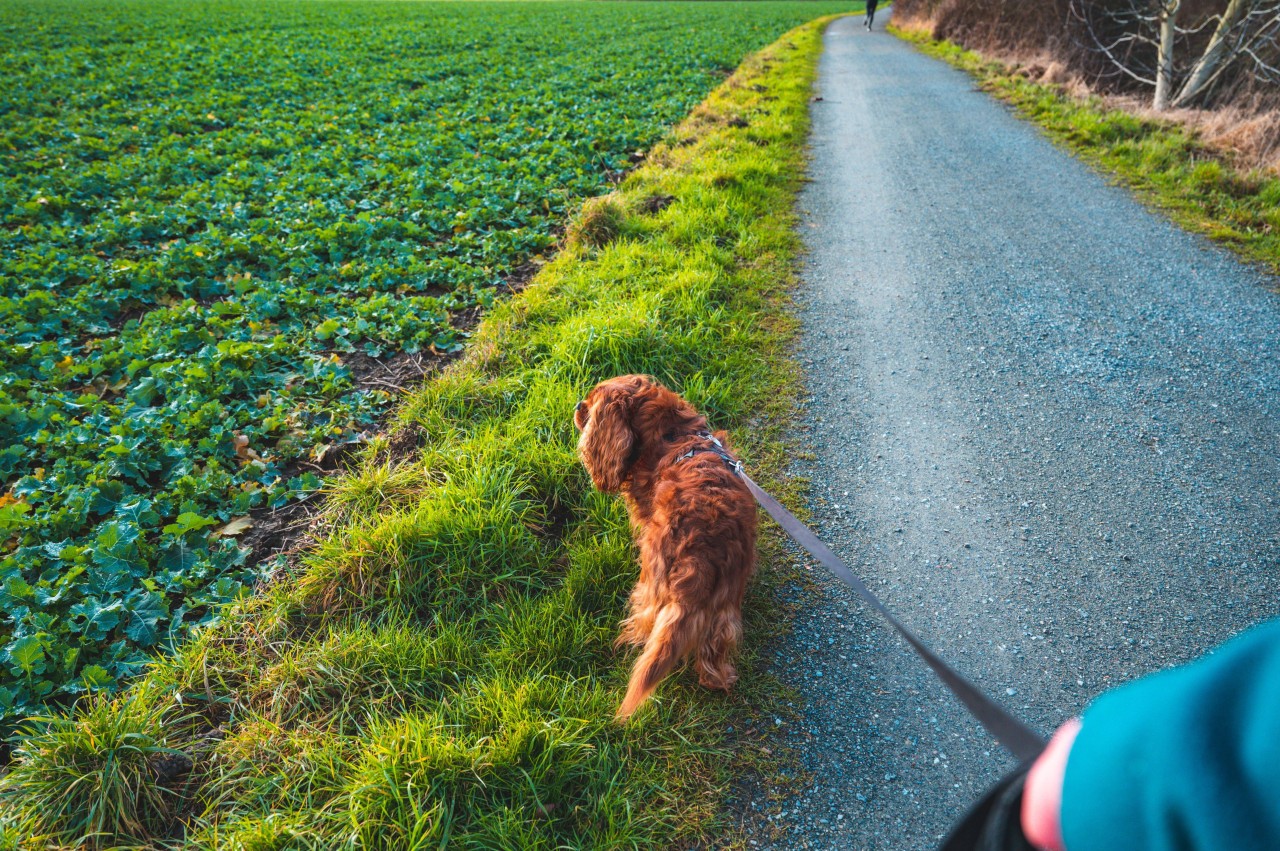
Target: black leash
column 1019, row 739
column 994, row 823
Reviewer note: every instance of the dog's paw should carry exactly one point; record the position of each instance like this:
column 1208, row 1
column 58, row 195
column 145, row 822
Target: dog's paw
column 721, row 679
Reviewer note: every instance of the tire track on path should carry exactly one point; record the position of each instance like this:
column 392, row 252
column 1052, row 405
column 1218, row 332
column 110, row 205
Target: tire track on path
column 1043, row 424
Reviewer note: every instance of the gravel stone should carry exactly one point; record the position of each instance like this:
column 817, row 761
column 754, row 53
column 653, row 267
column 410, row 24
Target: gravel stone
column 1045, row 430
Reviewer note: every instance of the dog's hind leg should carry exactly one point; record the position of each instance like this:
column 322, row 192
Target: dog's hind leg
column 715, row 654
column 639, row 623
column 674, row 632
column 645, row 601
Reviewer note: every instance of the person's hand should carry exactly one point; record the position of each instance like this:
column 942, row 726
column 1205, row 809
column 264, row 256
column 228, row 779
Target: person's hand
column 1042, row 791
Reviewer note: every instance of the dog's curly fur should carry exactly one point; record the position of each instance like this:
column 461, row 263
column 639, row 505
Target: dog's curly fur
column 694, row 521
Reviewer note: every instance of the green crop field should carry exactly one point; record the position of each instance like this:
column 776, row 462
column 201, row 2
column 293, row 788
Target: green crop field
column 215, row 215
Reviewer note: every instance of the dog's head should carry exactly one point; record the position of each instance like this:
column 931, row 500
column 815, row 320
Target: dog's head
column 621, row 419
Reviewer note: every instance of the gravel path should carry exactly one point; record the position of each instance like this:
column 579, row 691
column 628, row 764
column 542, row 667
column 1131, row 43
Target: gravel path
column 1043, row 426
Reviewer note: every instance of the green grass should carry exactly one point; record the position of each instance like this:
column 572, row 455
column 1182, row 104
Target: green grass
column 1165, row 162
column 438, row 671
column 213, row 215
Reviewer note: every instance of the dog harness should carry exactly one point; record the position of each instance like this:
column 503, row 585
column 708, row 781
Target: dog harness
column 717, row 449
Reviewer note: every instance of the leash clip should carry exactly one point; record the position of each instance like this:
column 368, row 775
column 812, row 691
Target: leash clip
column 733, row 463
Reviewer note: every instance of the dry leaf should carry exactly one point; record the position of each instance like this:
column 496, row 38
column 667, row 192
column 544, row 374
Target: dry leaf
column 238, row 526
column 243, row 452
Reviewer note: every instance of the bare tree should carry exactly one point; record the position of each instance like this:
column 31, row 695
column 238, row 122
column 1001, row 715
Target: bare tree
column 1167, row 15
column 1183, row 56
column 1247, row 28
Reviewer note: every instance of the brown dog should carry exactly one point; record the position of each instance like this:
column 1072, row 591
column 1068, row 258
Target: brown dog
column 694, row 521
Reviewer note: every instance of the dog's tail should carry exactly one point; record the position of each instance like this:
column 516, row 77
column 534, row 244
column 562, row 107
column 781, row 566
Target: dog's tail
column 674, row 632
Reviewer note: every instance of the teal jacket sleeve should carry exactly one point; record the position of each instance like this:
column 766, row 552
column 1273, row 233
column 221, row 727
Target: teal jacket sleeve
column 1184, row 760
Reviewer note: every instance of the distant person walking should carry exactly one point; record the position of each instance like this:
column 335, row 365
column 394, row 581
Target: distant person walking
column 871, row 13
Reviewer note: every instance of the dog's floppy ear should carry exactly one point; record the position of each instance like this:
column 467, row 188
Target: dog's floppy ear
column 606, row 445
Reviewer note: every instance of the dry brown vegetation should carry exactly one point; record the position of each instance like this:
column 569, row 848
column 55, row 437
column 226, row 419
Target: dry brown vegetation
column 1047, row 43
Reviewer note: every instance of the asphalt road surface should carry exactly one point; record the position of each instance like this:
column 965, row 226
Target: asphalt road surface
column 1043, row 425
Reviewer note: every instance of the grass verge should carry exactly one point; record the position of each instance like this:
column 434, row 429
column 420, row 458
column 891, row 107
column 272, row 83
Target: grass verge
column 438, row 671
column 1166, row 163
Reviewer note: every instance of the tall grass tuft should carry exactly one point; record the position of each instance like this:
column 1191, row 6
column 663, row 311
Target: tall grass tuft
column 600, row 222
column 99, row 775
